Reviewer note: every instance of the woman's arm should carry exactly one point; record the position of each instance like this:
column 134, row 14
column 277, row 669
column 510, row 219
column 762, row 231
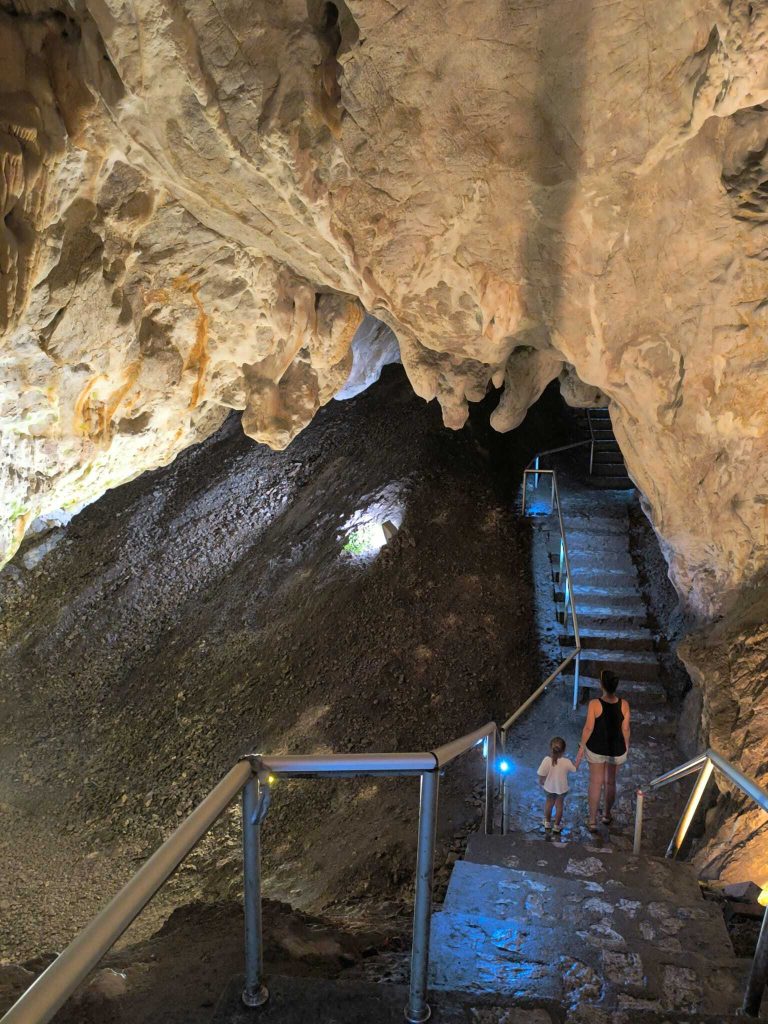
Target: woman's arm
column 589, row 725
column 625, row 723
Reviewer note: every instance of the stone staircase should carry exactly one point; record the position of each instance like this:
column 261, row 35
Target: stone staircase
column 608, row 466
column 602, row 934
column 613, row 619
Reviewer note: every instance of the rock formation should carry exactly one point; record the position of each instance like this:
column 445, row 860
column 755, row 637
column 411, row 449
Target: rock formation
column 200, row 202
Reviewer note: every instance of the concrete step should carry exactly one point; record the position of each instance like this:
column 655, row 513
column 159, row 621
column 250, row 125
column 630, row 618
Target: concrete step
column 587, row 606
column 516, row 907
column 609, row 470
column 638, row 912
column 669, row 879
column 594, row 542
column 611, row 483
column 629, row 666
column 610, row 639
column 599, row 575
column 640, row 693
column 584, row 559
column 626, row 607
column 530, row 959
column 614, row 619
column 608, row 455
column 595, row 523
column 609, row 591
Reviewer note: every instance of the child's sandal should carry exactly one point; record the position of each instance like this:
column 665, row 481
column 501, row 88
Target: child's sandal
column 557, row 829
column 592, row 826
column 607, row 819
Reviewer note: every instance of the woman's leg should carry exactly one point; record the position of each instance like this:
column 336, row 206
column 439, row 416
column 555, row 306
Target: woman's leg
column 558, row 810
column 610, row 787
column 596, row 779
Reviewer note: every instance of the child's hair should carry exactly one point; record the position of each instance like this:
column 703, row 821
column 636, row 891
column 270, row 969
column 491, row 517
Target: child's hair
column 556, row 748
column 609, row 681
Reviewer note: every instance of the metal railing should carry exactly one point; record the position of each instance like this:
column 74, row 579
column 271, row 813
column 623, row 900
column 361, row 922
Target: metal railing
column 564, row 575
column 251, row 777
column 592, row 441
column 564, row 578
column 704, row 765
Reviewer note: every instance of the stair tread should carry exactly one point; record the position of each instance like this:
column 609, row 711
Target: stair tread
column 477, row 954
column 516, row 850
column 505, row 893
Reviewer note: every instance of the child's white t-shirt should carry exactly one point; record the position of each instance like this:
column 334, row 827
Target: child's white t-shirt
column 556, row 780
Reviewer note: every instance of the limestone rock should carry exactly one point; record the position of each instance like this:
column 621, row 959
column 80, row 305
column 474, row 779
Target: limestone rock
column 200, row 202
column 374, row 346
column 729, row 666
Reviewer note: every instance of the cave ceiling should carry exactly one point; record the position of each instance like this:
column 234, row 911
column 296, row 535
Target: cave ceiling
column 201, row 202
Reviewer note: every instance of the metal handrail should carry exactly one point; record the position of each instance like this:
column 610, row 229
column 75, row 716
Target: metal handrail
column 554, row 451
column 592, row 437
column 252, row 776
column 564, row 574
column 705, row 764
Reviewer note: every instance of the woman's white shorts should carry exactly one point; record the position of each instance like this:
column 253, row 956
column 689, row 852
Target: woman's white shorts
column 604, row 758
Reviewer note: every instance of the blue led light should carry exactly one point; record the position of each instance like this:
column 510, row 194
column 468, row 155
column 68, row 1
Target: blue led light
column 503, row 766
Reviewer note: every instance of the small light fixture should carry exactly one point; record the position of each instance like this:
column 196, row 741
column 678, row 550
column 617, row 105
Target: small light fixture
column 503, row 767
column 762, row 899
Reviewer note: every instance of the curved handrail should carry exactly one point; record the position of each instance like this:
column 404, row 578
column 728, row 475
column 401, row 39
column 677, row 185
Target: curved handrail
column 57, row 983
column 554, row 451
column 738, row 778
column 705, row 764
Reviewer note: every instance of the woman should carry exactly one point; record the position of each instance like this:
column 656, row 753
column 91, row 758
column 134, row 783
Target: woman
column 605, row 740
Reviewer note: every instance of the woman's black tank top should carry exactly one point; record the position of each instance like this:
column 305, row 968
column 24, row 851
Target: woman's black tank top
column 607, row 737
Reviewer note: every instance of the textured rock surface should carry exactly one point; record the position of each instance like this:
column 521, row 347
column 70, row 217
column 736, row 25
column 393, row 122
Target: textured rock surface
column 729, row 666
column 201, row 200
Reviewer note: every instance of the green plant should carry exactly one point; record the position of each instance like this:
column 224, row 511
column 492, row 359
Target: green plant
column 363, row 538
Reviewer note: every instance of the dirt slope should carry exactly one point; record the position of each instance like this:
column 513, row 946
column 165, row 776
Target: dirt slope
column 209, row 608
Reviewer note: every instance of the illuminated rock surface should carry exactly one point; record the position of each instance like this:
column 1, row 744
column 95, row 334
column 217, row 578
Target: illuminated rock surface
column 201, row 201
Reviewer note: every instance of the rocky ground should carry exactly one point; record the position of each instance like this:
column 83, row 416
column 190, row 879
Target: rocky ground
column 211, row 608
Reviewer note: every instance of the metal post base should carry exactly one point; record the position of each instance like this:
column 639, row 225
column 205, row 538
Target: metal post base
column 425, row 1015
column 255, row 998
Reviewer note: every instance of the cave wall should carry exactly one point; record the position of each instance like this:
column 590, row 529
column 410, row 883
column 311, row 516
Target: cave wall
column 200, row 202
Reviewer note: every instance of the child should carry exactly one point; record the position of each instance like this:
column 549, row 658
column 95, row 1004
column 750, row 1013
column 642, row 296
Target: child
column 553, row 778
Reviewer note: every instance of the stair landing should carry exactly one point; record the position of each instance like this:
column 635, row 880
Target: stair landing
column 600, row 933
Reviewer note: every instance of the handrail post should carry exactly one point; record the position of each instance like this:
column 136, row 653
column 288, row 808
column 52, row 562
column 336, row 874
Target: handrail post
column 638, row 821
column 758, row 973
column 255, row 992
column 417, row 1011
column 525, row 483
column 490, row 781
column 690, row 809
column 562, row 557
column 503, row 737
column 577, row 665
